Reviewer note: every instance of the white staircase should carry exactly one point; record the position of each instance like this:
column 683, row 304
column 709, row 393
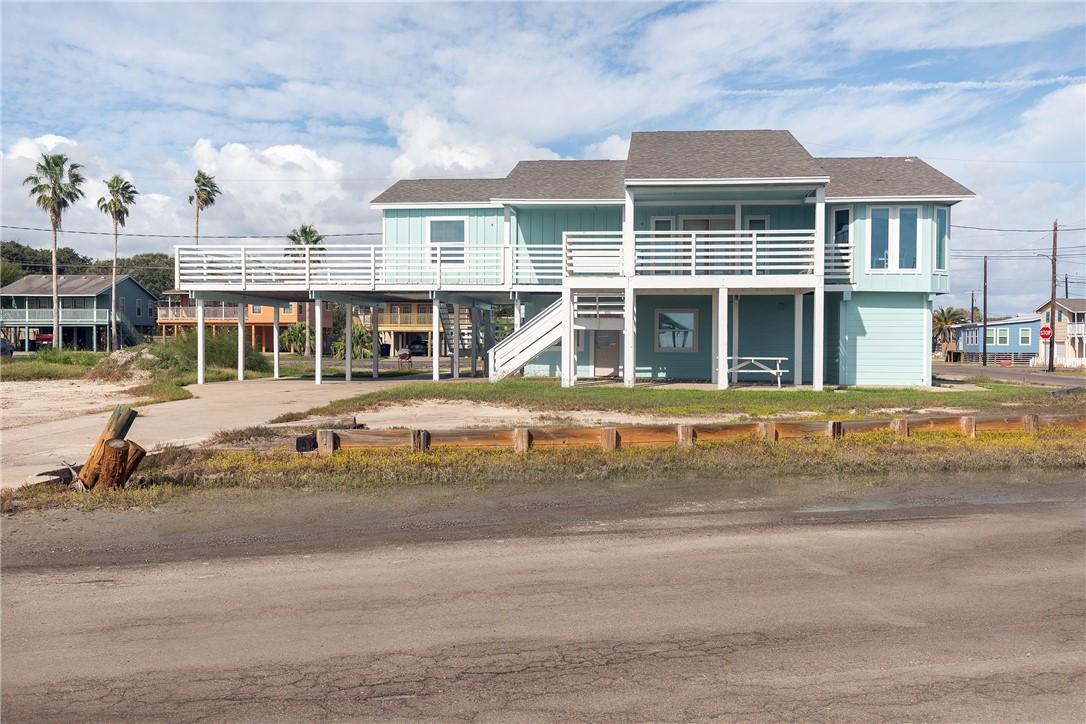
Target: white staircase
column 525, row 344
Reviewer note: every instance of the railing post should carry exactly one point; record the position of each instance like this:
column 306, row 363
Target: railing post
column 308, row 263
column 754, row 253
column 694, row 255
column 177, row 267
column 244, row 270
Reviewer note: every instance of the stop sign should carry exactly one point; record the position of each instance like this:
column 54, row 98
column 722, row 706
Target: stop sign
column 1046, row 332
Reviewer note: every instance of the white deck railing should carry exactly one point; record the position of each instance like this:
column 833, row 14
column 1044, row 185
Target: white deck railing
column 1076, row 329
column 691, row 253
column 45, row 316
column 581, row 254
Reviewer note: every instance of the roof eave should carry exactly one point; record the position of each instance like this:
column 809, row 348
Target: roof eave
column 492, row 204
column 895, row 199
column 774, row 180
column 559, row 202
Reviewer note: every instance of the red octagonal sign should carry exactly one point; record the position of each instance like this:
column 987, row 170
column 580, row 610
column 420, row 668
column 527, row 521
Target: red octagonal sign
column 1046, row 332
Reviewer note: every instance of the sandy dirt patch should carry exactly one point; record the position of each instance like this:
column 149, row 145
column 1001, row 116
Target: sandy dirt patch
column 447, row 415
column 25, row 403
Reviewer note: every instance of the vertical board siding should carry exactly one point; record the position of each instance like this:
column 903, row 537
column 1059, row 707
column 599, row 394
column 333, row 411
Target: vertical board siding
column 884, row 340
column 545, row 225
column 767, row 329
column 405, row 229
column 832, row 344
column 674, row 365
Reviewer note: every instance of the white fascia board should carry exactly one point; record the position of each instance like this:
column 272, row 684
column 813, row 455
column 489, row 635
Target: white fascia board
column 492, row 204
column 560, row 202
column 783, row 180
column 896, row 199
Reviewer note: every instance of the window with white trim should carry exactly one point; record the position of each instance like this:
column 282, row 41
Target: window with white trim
column 446, row 238
column 989, row 336
column 893, row 239
column 257, row 309
column 139, row 307
column 1003, row 336
column 756, row 223
column 1025, row 336
column 676, row 330
column 942, row 237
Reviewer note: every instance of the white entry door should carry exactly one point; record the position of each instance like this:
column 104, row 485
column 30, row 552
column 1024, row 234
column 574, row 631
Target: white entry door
column 606, row 353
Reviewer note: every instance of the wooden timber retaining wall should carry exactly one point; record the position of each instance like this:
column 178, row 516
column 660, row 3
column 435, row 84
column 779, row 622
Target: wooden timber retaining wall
column 521, row 439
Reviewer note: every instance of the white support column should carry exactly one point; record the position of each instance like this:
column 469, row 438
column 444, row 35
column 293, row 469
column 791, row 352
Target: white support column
column 435, row 337
column 926, row 361
column 735, row 337
column 714, row 301
column 518, row 312
column 456, row 342
column 819, row 339
column 200, row 335
column 818, row 331
column 629, row 258
column 241, row 341
column 721, row 338
column 318, row 356
column 797, row 345
column 569, row 341
column 507, row 246
column 629, row 336
column 375, row 317
column 348, row 341
column 275, row 342
column 488, row 340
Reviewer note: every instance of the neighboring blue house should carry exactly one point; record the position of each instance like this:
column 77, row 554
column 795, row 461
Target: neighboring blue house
column 704, row 255
column 1016, row 339
column 26, row 310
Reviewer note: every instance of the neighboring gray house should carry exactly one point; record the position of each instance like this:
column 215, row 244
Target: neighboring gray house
column 26, row 310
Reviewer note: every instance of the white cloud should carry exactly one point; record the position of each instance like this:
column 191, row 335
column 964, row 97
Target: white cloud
column 614, row 147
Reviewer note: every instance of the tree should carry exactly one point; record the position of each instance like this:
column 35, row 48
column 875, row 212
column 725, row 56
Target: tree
column 152, row 269
column 55, row 186
column 941, row 321
column 203, row 196
column 306, row 235
column 122, row 195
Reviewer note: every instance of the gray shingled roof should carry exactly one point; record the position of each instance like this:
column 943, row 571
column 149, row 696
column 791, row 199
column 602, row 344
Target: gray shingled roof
column 879, row 177
column 440, row 191
column 564, row 180
column 718, row 155
column 70, row 285
column 1077, row 306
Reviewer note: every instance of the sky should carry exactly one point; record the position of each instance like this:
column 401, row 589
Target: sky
column 304, row 112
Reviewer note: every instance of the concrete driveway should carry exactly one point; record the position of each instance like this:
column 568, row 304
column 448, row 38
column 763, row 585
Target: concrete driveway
column 35, row 448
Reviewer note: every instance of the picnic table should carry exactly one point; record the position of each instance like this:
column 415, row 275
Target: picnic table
column 759, row 365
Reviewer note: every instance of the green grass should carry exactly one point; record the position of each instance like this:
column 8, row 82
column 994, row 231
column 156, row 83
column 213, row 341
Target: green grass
column 874, row 458
column 49, row 364
column 549, row 396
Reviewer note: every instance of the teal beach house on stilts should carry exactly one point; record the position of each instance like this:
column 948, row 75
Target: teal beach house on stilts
column 723, row 256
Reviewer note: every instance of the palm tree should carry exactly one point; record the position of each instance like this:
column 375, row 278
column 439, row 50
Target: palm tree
column 122, row 194
column 941, row 321
column 54, row 186
column 203, row 196
column 306, row 235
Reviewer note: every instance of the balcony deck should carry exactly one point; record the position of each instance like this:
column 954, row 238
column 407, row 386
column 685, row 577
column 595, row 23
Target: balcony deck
column 655, row 258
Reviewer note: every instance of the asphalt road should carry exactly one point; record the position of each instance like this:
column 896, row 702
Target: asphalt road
column 683, row 602
column 1034, row 375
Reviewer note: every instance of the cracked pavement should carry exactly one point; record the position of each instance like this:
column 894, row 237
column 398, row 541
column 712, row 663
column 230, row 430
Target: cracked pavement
column 677, row 602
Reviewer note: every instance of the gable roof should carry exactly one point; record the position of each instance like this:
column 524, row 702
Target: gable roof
column 565, row 180
column 719, row 155
column 1078, row 306
column 1017, row 319
column 440, row 191
column 68, row 285
column 878, row 177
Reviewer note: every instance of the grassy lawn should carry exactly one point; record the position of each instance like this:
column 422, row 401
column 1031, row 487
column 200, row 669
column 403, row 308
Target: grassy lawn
column 49, row 364
column 548, row 395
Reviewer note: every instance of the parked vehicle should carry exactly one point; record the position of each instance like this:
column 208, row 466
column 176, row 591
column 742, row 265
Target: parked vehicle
column 417, row 348
column 6, row 350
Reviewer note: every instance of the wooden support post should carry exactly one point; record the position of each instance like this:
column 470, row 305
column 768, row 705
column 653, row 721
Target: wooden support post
column 900, row 426
column 420, row 440
column 113, row 463
column 522, row 440
column 969, row 426
column 685, row 435
column 768, row 431
column 116, row 428
column 609, row 438
column 326, row 442
column 136, row 454
column 1029, row 424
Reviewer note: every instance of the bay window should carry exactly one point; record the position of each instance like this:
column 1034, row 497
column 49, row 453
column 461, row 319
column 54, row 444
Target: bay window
column 893, row 238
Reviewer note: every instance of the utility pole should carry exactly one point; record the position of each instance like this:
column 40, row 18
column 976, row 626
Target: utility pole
column 1066, row 293
column 972, row 306
column 984, row 338
column 1052, row 306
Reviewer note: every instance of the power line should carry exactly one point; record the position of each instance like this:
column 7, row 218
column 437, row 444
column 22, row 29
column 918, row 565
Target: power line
column 1018, row 231
column 183, row 236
